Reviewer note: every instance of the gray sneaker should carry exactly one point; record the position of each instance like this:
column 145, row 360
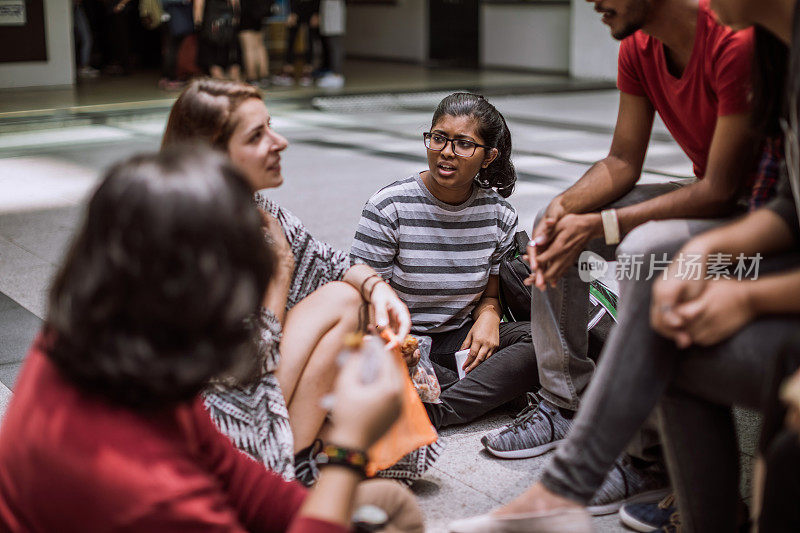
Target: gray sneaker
column 625, row 483
column 537, row 429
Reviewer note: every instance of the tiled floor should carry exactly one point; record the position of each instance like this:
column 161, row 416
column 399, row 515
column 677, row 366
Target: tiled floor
column 342, row 150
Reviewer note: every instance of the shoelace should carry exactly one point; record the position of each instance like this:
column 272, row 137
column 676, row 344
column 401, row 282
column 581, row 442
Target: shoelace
column 674, row 525
column 530, row 413
column 667, row 502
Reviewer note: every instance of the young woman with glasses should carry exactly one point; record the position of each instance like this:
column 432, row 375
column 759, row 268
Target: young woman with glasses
column 437, row 238
column 315, row 298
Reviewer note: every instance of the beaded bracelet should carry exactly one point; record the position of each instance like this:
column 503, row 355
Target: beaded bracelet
column 337, row 456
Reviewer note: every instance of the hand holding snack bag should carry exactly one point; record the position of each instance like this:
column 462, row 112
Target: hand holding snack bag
column 412, row 430
column 410, row 350
column 416, row 352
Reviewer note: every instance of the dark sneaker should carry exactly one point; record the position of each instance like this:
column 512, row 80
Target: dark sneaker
column 537, row 429
column 626, row 483
column 646, row 517
column 305, row 464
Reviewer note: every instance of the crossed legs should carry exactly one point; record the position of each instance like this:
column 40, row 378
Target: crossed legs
column 313, row 335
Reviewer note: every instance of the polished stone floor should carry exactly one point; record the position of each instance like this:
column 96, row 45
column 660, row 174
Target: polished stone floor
column 343, row 148
column 140, row 90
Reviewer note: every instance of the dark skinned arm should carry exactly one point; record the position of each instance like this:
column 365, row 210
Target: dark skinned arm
column 617, row 173
column 484, row 336
column 729, row 160
column 715, row 195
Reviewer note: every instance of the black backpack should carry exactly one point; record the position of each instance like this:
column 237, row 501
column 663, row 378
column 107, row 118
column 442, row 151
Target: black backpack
column 515, row 297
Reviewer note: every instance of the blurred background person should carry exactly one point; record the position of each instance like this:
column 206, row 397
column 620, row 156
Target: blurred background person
column 218, row 50
column 179, row 26
column 83, row 41
column 251, row 38
column 120, row 16
column 332, row 19
column 302, row 14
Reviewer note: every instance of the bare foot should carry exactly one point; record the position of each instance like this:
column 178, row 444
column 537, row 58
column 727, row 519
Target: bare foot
column 536, row 499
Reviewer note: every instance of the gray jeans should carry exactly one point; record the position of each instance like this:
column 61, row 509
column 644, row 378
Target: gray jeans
column 560, row 317
column 639, row 368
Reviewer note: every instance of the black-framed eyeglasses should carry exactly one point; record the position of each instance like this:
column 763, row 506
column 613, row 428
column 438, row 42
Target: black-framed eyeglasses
column 461, row 147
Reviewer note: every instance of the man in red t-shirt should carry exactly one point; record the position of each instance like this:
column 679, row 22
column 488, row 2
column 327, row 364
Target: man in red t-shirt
column 676, row 60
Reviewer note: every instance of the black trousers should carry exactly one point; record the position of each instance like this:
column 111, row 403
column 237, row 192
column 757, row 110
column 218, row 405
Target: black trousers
column 510, row 372
column 172, row 45
column 312, row 34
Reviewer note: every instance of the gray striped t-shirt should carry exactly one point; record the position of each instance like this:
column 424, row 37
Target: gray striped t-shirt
column 438, row 257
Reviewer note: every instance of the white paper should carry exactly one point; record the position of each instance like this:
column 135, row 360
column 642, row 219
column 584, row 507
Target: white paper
column 461, row 358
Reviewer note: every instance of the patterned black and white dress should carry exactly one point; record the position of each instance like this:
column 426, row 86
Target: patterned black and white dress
column 255, row 417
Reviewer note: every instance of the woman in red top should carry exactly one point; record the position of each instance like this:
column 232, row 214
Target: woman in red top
column 106, row 430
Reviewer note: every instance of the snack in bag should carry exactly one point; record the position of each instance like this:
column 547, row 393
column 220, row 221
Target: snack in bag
column 422, row 375
column 411, row 431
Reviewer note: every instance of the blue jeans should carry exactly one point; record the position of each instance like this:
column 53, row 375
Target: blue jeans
column 83, row 36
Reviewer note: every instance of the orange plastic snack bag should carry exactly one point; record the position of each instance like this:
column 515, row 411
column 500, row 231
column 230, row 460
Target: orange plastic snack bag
column 412, row 429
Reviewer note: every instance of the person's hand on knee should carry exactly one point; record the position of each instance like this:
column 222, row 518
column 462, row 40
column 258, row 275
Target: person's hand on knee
column 569, row 237
column 542, row 234
column 683, row 282
column 721, row 310
column 482, row 340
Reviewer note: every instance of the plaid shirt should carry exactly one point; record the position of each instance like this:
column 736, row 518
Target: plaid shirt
column 764, row 182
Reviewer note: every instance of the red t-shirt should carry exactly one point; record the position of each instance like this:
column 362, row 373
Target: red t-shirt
column 716, row 81
column 72, row 462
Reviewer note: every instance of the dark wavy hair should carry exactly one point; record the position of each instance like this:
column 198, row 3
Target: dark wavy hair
column 203, row 111
column 492, row 127
column 157, row 291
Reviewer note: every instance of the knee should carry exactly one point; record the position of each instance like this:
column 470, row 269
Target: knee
column 637, row 241
column 650, row 237
column 517, row 332
column 344, row 298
